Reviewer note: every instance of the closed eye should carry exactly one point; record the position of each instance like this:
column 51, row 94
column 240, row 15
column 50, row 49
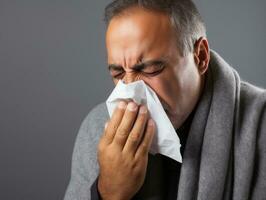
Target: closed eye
column 153, row 69
column 115, row 70
column 150, row 68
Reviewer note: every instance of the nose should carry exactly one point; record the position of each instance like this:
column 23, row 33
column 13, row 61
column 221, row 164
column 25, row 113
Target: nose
column 131, row 77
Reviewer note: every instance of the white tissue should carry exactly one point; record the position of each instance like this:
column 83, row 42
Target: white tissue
column 165, row 141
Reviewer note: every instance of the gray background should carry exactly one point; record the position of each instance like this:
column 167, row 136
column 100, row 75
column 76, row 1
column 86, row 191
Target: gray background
column 53, row 71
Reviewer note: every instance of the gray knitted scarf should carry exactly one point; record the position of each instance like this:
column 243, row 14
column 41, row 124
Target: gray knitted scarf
column 220, row 155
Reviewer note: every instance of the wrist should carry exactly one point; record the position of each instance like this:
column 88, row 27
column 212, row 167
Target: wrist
column 110, row 195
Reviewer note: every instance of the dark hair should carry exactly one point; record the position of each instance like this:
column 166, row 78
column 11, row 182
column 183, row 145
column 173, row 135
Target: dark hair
column 183, row 14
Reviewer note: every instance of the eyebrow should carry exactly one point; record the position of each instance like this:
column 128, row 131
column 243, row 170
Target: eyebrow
column 139, row 66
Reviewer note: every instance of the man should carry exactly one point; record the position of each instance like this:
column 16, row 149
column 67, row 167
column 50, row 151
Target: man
column 220, row 120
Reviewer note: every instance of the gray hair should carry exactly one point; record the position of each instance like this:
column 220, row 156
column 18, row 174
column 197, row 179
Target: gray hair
column 183, row 15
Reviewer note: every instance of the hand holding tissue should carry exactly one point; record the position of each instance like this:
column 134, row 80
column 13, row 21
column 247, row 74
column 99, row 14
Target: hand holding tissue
column 165, row 141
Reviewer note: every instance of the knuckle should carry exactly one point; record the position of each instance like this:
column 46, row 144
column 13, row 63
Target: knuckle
column 142, row 116
column 122, row 132
column 113, row 127
column 144, row 147
column 142, row 119
column 129, row 161
column 134, row 136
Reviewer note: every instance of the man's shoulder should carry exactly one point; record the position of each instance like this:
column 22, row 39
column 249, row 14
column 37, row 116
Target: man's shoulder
column 95, row 118
column 84, row 159
column 90, row 132
column 251, row 95
column 252, row 109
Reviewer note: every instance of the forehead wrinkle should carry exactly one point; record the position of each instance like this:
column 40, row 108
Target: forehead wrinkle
column 131, row 58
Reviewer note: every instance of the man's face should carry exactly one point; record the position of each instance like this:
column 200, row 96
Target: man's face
column 141, row 45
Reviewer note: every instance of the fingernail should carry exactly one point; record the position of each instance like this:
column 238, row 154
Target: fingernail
column 151, row 122
column 132, row 106
column 142, row 109
column 122, row 105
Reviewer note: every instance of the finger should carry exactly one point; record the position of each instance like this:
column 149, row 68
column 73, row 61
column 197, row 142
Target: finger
column 126, row 125
column 137, row 131
column 146, row 142
column 112, row 125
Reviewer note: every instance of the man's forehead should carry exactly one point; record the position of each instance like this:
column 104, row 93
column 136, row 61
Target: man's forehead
column 141, row 23
column 136, row 36
column 127, row 59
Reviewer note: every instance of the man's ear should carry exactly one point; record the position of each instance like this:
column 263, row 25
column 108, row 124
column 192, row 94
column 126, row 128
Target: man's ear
column 202, row 54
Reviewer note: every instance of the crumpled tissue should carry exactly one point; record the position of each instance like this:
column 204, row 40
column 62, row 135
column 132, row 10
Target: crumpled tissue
column 165, row 141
